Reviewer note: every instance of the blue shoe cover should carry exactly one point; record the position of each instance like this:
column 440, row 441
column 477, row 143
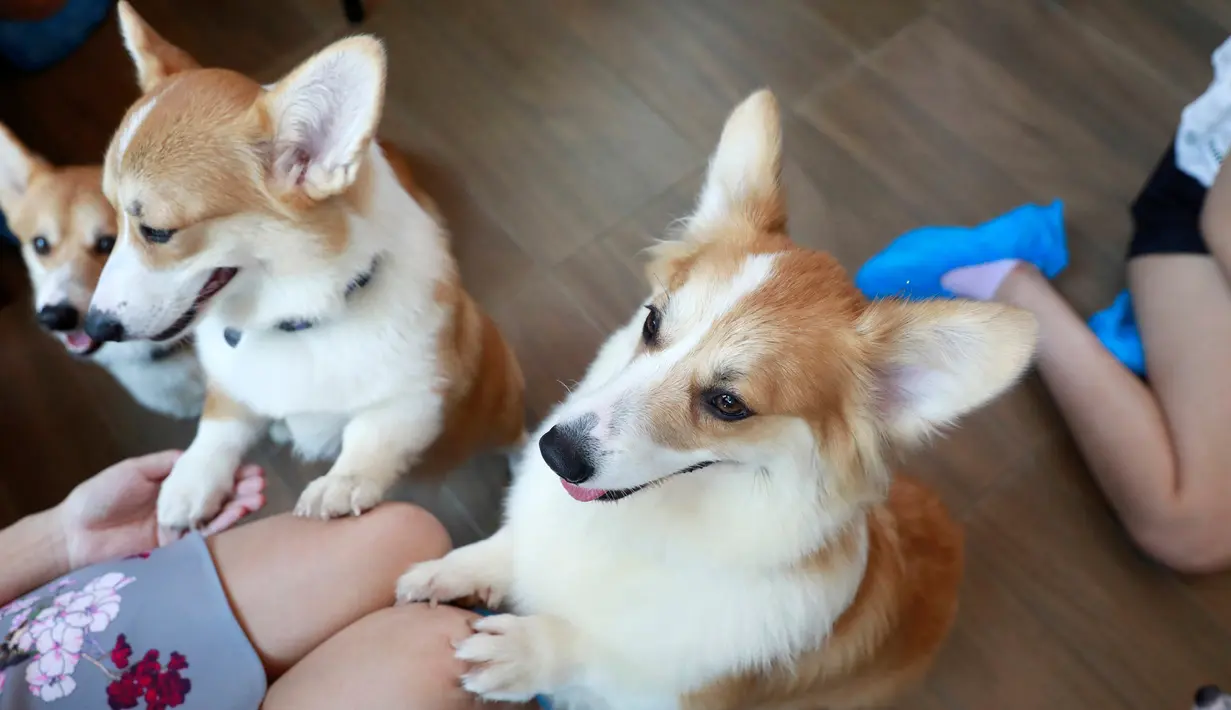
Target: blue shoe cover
column 1116, row 327
column 911, row 266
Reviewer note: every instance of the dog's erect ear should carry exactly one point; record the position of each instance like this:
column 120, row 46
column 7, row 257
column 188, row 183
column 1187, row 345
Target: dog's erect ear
column 155, row 58
column 742, row 194
column 743, row 183
column 18, row 166
column 324, row 115
column 934, row 361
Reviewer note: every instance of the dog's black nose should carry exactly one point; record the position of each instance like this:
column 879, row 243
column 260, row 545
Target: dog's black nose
column 567, row 451
column 61, row 316
column 103, row 327
column 1207, row 695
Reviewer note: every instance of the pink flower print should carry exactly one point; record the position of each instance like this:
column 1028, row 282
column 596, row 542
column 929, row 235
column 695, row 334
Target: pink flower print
column 18, row 605
column 61, row 638
column 92, row 611
column 62, row 583
column 50, row 675
column 21, row 610
column 42, row 623
column 112, row 581
column 1, row 682
column 21, row 618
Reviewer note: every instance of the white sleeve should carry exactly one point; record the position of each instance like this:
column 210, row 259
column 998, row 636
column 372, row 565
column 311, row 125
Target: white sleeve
column 1204, row 136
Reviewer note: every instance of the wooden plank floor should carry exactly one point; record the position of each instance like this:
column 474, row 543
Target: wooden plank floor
column 561, row 136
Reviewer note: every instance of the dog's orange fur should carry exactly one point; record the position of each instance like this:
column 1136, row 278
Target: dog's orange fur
column 822, row 370
column 908, row 597
column 217, row 173
column 887, row 639
column 488, row 382
column 63, row 204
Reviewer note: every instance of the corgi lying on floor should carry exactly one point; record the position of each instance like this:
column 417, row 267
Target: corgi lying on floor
column 709, row 519
column 321, row 293
column 67, row 230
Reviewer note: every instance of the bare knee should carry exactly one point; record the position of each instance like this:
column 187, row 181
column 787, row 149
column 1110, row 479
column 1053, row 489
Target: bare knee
column 393, row 658
column 404, row 531
column 1186, row 533
column 295, row 582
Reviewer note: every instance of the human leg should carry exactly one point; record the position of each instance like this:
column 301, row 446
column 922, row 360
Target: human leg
column 400, row 657
column 293, row 582
column 1156, row 451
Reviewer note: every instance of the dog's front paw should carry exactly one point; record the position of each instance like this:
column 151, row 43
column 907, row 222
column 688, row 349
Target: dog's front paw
column 510, row 658
column 333, row 496
column 445, row 580
column 193, row 493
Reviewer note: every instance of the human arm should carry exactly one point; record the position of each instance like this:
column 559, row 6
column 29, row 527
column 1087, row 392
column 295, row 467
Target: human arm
column 110, row 515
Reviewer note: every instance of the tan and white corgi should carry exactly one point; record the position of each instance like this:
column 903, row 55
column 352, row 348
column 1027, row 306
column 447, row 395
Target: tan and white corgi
column 267, row 220
column 67, row 230
column 708, row 520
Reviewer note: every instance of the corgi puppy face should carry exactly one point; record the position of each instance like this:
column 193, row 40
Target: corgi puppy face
column 66, row 229
column 757, row 360
column 217, row 179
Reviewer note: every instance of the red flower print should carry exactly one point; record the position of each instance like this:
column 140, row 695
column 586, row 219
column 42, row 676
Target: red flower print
column 123, row 693
column 122, row 653
column 172, row 687
column 140, row 555
column 148, row 681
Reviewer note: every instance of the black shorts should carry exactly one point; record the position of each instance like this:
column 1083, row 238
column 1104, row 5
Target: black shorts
column 1167, row 213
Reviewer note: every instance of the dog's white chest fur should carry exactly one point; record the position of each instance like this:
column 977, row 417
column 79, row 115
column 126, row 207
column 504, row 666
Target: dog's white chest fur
column 668, row 622
column 383, row 345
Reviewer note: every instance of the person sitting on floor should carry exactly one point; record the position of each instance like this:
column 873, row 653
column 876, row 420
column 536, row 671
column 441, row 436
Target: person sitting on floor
column 1144, row 387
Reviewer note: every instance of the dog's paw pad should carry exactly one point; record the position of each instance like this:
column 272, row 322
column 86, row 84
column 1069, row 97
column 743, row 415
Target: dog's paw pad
column 333, row 496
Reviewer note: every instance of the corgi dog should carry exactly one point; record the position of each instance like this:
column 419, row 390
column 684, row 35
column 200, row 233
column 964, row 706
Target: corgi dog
column 708, row 520
column 67, row 230
column 322, row 295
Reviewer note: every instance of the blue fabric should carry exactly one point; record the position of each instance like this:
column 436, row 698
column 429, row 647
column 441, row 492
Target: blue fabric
column 911, row 266
column 31, row 46
column 1116, row 327
column 543, row 701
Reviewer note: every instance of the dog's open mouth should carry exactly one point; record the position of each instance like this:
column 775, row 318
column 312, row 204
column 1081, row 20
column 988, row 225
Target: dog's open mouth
column 78, row 343
column 586, row 495
column 216, row 282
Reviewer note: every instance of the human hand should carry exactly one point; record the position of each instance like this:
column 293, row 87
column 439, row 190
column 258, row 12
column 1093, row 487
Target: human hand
column 113, row 514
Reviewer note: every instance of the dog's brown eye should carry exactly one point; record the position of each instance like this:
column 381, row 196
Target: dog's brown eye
column 104, row 245
column 42, row 247
column 157, row 236
column 649, row 330
column 727, row 406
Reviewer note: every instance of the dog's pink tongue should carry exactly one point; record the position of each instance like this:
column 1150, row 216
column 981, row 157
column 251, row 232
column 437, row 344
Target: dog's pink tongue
column 585, row 495
column 78, row 340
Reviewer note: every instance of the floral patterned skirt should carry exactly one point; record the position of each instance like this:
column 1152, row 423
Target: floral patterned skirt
column 153, row 631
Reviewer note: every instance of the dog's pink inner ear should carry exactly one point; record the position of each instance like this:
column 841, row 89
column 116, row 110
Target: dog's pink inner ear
column 938, row 360
column 324, row 116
